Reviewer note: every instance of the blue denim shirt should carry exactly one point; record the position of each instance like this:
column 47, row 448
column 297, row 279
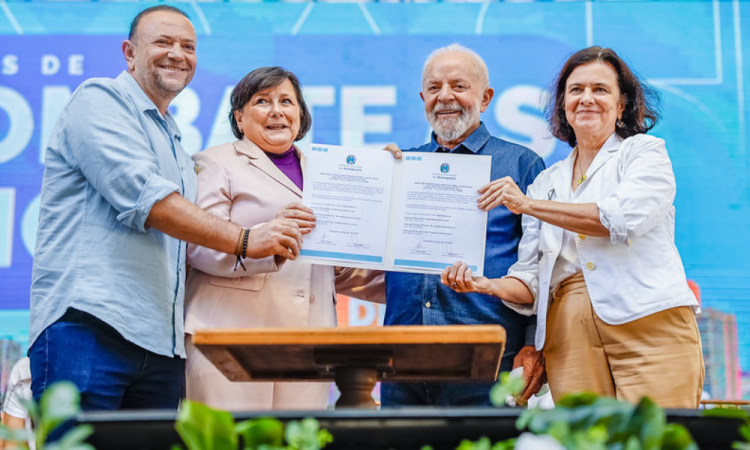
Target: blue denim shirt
column 110, row 157
column 418, row 299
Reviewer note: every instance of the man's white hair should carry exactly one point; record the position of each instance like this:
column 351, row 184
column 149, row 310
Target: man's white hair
column 478, row 65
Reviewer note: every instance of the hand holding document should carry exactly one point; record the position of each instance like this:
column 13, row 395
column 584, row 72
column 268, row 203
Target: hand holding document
column 416, row 214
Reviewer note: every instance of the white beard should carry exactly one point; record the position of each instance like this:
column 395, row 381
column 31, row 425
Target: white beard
column 450, row 129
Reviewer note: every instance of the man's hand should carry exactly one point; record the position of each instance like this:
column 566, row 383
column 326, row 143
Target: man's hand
column 395, row 151
column 280, row 237
column 534, row 372
column 300, row 214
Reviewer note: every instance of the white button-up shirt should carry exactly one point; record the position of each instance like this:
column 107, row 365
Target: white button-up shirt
column 634, row 272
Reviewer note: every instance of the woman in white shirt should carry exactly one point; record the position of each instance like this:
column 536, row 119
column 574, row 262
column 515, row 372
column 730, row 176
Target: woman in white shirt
column 597, row 261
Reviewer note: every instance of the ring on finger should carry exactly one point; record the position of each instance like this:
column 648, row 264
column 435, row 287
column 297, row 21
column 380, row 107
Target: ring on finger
column 454, row 285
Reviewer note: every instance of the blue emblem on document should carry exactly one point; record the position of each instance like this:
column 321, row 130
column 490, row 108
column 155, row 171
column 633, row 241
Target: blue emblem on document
column 351, row 159
column 445, row 168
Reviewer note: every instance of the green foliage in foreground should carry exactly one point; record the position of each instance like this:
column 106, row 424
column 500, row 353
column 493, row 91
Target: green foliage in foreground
column 586, row 421
column 59, row 404
column 205, row 428
column 582, row 421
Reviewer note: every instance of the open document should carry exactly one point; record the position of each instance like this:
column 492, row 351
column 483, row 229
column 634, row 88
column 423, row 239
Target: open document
column 416, row 214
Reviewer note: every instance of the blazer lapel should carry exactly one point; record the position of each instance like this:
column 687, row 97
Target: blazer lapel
column 258, row 158
column 607, row 151
column 561, row 179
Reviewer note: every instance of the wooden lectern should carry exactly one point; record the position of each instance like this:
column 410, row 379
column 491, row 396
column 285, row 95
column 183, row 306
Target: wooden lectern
column 356, row 358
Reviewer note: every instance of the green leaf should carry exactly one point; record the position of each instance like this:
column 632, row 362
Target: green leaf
column 649, row 424
column 612, row 413
column 527, row 416
column 324, row 438
column 633, row 444
column 509, row 386
column 76, row 437
column 483, row 443
column 204, row 428
column 509, row 444
column 677, row 437
column 262, row 431
column 32, row 408
column 306, row 435
column 578, row 399
column 594, row 438
column 559, row 430
column 59, row 403
column 10, row 435
column 745, row 432
column 585, row 411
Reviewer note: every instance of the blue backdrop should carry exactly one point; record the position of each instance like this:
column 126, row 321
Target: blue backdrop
column 361, row 66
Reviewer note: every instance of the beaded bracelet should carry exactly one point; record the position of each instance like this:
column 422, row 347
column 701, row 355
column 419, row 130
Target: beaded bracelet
column 244, row 235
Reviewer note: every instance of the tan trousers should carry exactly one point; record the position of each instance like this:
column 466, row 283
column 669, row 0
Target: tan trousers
column 658, row 355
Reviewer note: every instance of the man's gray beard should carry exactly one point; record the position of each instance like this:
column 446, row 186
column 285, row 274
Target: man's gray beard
column 451, row 129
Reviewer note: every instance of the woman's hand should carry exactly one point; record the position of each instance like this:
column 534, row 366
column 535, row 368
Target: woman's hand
column 458, row 277
column 503, row 192
column 300, row 214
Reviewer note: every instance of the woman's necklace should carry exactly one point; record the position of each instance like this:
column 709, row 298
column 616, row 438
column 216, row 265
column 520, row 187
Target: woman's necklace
column 580, row 170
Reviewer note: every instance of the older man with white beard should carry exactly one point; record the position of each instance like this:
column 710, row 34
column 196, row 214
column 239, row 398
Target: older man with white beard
column 455, row 91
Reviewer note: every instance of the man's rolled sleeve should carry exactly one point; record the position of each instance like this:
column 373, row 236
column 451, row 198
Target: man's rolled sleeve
column 108, row 145
column 155, row 190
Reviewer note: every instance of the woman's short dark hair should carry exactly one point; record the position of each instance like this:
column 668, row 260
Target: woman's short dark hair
column 259, row 80
column 641, row 101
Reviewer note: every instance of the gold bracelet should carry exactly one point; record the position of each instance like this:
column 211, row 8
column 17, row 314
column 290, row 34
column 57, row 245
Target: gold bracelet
column 244, row 235
column 238, row 247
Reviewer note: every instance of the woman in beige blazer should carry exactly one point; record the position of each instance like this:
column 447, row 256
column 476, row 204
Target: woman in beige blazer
column 252, row 181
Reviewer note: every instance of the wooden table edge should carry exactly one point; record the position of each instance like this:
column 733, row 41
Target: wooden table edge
column 432, row 334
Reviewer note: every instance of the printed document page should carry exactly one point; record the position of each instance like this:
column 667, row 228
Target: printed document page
column 416, row 214
column 349, row 190
column 438, row 220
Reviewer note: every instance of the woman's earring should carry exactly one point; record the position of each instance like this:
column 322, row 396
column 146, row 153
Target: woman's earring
column 620, row 123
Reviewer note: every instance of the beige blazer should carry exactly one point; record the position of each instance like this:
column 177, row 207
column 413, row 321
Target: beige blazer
column 238, row 182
